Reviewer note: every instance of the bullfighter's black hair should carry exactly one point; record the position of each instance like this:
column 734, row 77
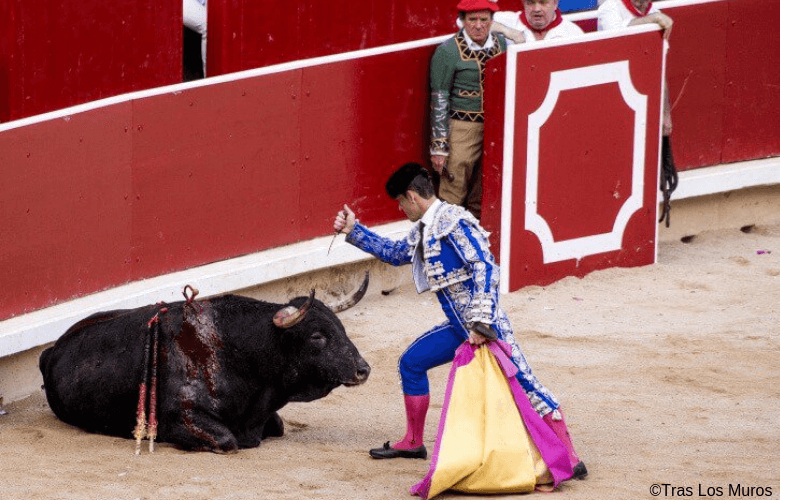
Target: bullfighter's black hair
column 410, row 176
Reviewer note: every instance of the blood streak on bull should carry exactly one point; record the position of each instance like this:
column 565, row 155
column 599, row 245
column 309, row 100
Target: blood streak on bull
column 199, row 343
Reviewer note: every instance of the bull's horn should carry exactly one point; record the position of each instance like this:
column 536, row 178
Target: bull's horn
column 349, row 302
column 290, row 315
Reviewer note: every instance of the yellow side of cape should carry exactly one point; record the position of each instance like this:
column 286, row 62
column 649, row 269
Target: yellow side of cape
column 485, row 447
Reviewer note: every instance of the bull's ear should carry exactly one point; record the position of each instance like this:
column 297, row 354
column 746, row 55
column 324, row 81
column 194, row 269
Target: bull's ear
column 290, row 315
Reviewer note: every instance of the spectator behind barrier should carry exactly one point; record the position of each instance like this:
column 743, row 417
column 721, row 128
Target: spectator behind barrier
column 195, row 17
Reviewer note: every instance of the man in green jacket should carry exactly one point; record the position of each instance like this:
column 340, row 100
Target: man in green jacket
column 457, row 104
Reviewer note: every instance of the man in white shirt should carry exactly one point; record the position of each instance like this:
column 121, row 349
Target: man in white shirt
column 617, row 14
column 538, row 20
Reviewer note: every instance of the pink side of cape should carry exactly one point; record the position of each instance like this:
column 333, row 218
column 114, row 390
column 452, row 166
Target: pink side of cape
column 553, row 451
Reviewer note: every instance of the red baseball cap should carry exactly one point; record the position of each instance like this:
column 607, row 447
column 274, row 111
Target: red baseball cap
column 475, row 5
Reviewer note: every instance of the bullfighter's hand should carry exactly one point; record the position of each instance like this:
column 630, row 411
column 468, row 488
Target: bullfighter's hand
column 345, row 220
column 476, row 338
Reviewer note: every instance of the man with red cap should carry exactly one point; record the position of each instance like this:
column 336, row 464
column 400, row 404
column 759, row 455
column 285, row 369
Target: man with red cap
column 456, row 82
column 538, row 20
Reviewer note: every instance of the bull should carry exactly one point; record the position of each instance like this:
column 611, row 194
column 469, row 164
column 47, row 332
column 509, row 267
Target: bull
column 220, row 368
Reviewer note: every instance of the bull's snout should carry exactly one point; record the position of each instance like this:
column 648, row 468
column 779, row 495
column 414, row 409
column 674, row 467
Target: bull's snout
column 362, row 373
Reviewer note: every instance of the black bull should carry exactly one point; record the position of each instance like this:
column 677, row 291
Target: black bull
column 223, row 367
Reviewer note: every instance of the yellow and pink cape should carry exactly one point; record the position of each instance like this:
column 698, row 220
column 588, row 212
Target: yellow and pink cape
column 490, row 439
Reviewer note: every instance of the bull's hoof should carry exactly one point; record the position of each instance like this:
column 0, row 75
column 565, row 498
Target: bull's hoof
column 220, row 451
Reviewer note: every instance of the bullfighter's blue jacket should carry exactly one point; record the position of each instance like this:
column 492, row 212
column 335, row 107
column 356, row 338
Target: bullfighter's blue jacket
column 458, row 266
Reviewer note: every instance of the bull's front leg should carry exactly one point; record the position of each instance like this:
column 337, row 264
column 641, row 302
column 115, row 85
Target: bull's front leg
column 259, row 419
column 192, row 421
column 273, row 427
column 198, row 430
column 262, row 421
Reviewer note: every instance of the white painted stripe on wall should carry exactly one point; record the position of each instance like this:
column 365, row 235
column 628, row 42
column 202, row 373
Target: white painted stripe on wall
column 728, row 177
column 508, row 166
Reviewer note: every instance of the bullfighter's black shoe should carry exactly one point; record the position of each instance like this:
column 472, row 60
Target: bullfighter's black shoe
column 580, row 471
column 389, row 452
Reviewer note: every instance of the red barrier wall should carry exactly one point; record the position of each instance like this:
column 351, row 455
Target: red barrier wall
column 58, row 54
column 142, row 188
column 164, row 183
column 723, row 72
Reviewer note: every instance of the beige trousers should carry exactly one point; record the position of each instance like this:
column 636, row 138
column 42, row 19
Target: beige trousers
column 464, row 163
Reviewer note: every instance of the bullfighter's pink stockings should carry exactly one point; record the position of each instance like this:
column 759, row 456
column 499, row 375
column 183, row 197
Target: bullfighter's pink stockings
column 416, row 410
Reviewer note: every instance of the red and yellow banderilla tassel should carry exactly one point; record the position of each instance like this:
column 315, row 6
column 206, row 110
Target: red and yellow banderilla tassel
column 138, row 431
column 149, row 374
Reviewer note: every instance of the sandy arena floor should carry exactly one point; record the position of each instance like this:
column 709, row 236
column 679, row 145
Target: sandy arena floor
column 668, row 374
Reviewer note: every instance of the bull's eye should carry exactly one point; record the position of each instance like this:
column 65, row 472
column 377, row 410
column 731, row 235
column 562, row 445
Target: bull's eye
column 318, row 340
